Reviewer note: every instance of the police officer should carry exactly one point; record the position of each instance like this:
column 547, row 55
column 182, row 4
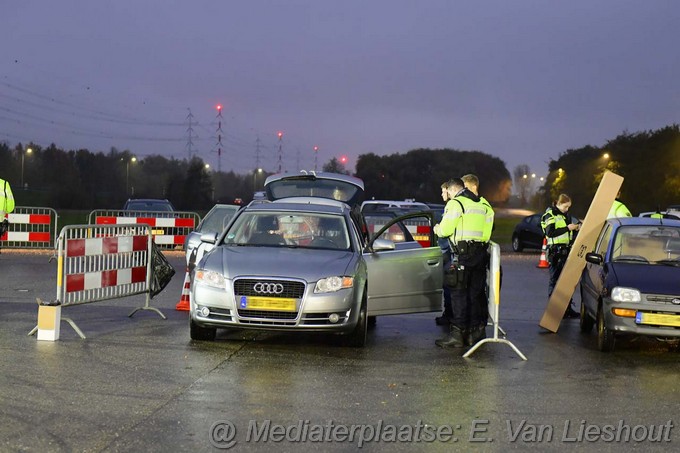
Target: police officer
column 463, row 223
column 471, row 182
column 6, row 205
column 559, row 232
column 618, row 209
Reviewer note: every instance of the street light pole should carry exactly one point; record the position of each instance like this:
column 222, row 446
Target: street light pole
column 127, row 173
column 255, row 173
column 23, row 155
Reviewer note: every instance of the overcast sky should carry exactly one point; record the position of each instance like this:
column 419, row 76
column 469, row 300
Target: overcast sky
column 521, row 80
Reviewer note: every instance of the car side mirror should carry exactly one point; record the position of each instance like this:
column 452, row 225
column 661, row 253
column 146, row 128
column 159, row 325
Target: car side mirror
column 383, row 244
column 594, row 258
column 210, row 237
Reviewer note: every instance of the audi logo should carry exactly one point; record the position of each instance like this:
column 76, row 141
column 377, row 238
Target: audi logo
column 268, row 288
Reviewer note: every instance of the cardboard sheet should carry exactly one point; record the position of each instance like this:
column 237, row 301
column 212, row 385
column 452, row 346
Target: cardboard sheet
column 584, row 243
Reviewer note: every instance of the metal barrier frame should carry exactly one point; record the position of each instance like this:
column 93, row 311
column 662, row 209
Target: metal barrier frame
column 28, row 234
column 494, row 289
column 96, row 253
column 164, row 228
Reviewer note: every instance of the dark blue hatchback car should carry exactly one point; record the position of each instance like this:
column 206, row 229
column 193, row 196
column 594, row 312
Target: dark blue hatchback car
column 631, row 281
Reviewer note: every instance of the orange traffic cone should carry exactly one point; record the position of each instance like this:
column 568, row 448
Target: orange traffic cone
column 543, row 262
column 183, row 304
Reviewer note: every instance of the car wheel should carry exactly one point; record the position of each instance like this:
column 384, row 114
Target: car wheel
column 201, row 333
column 357, row 338
column 516, row 244
column 605, row 337
column 586, row 322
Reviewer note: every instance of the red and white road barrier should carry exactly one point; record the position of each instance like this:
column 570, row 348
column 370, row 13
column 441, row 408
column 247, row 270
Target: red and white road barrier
column 30, row 227
column 169, row 229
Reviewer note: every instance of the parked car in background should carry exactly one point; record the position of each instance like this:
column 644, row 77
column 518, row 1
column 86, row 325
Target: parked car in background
column 630, row 284
column 148, row 204
column 376, row 205
column 305, row 262
column 438, row 210
column 670, row 213
column 528, row 233
column 214, row 222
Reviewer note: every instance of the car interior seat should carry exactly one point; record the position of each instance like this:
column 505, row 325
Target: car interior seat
column 672, row 247
column 329, row 235
column 266, row 231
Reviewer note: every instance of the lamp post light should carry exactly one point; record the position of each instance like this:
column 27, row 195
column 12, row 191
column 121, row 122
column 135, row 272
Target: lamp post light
column 127, row 173
column 255, row 173
column 23, row 155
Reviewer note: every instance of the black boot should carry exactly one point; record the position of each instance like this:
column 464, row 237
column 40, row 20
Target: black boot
column 453, row 340
column 476, row 334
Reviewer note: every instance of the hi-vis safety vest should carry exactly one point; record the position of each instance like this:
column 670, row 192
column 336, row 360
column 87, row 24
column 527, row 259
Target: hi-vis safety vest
column 6, row 199
column 463, row 220
column 618, row 210
column 560, row 221
column 488, row 225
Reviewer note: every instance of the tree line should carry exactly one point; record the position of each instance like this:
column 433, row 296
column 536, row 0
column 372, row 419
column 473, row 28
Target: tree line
column 649, row 161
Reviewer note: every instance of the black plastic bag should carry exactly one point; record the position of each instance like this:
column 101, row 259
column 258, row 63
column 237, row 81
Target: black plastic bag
column 4, row 226
column 162, row 270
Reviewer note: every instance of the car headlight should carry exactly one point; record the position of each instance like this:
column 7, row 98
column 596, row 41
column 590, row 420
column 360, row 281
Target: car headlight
column 621, row 294
column 332, row 284
column 209, row 278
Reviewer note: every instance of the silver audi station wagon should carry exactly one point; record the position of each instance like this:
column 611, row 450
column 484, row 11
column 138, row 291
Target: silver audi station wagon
column 304, row 261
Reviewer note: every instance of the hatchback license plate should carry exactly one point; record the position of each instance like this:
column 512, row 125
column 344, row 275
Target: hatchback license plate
column 268, row 303
column 658, row 319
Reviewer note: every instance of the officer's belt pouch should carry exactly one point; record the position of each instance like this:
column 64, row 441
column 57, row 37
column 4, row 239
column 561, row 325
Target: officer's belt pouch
column 454, row 276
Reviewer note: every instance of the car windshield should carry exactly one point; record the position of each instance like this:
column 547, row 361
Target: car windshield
column 646, row 244
column 148, row 205
column 283, row 229
column 217, row 219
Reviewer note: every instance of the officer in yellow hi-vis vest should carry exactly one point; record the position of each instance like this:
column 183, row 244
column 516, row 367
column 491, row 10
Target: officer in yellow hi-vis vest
column 618, row 209
column 6, row 205
column 559, row 233
column 472, row 184
column 464, row 224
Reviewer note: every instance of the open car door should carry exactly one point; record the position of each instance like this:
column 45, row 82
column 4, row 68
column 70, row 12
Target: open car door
column 406, row 276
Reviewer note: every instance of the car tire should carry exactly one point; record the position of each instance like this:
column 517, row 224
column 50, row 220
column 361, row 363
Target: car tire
column 357, row 338
column 516, row 243
column 605, row 337
column 586, row 322
column 199, row 333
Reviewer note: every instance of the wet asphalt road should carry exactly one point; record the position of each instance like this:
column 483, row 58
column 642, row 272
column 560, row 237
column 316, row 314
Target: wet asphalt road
column 140, row 384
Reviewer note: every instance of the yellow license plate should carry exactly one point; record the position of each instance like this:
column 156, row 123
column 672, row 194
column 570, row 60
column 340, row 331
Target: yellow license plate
column 657, row 319
column 268, row 303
